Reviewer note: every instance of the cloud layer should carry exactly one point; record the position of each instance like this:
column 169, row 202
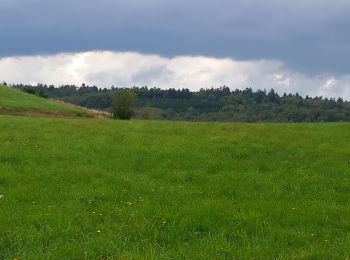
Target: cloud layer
column 307, row 36
column 106, row 68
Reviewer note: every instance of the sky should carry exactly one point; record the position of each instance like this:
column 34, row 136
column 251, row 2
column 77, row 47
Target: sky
column 291, row 45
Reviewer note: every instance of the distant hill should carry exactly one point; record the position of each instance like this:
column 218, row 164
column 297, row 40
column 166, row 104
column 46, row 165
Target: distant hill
column 220, row 104
column 17, row 102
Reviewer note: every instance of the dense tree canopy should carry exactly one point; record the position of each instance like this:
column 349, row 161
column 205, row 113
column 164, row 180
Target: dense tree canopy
column 215, row 104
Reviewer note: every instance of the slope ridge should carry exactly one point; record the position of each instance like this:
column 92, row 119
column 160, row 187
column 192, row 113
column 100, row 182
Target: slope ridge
column 16, row 102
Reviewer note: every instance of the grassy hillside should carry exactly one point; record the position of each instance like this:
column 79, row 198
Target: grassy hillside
column 15, row 102
column 103, row 189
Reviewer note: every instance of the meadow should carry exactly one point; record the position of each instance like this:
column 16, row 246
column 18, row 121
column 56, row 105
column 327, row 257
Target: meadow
column 105, row 189
column 16, row 102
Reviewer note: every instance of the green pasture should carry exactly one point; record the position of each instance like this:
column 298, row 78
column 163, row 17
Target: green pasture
column 104, row 189
column 12, row 100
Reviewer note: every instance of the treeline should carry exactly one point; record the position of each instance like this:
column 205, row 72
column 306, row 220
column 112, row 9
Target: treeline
column 215, row 104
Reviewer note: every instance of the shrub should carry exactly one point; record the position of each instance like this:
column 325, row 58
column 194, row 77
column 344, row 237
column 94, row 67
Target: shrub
column 42, row 94
column 123, row 102
column 29, row 89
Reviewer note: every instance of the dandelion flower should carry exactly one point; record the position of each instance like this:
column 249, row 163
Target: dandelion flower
column 98, row 231
column 2, row 196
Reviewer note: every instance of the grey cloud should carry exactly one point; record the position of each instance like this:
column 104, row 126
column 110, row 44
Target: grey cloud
column 147, row 76
column 311, row 36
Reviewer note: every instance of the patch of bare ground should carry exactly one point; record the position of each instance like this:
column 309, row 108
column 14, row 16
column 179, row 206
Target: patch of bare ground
column 96, row 113
column 43, row 112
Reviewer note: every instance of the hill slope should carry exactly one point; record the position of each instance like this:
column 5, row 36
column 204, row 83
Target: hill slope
column 106, row 189
column 16, row 102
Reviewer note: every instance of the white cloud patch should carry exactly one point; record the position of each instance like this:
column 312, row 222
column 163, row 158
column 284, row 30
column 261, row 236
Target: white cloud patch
column 104, row 69
column 330, row 84
column 282, row 80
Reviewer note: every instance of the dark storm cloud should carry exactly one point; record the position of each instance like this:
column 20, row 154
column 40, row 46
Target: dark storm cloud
column 311, row 36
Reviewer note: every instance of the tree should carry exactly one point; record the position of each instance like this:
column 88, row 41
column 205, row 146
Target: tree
column 123, row 102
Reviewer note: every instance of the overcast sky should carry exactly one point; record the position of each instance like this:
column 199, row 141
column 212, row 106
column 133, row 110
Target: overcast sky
column 291, row 45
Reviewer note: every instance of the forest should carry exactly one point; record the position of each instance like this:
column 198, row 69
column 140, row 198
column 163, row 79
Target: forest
column 214, row 104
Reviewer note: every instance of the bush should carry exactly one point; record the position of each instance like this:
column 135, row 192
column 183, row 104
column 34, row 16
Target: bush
column 123, row 102
column 35, row 91
column 29, row 90
column 42, row 94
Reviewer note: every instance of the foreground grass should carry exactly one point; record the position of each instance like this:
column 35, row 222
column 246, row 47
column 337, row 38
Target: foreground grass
column 16, row 102
column 88, row 189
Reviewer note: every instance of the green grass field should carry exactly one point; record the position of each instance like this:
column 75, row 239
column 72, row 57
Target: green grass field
column 16, row 102
column 104, row 189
